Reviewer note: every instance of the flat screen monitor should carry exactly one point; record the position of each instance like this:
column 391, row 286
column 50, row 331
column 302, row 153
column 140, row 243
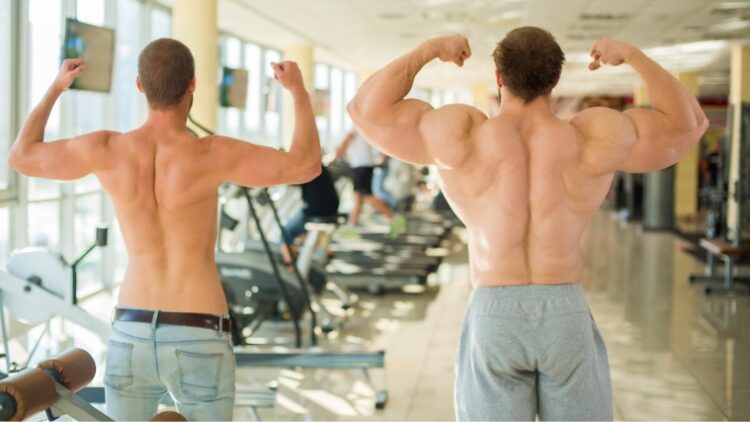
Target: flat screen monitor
column 96, row 46
column 233, row 88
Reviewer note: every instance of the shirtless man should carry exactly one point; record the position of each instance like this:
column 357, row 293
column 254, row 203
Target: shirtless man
column 170, row 330
column 526, row 183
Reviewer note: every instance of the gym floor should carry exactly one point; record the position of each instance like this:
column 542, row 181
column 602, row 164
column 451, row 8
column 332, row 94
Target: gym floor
column 674, row 353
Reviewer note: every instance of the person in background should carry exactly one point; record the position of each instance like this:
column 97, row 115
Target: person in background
column 321, row 200
column 362, row 160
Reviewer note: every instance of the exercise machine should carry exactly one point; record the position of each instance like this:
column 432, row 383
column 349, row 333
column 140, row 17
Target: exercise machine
column 38, row 284
column 52, row 386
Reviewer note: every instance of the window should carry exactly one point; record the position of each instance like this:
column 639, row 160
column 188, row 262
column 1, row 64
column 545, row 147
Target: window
column 161, row 23
column 5, row 86
column 340, row 87
column 337, row 103
column 254, row 97
column 45, row 38
column 130, row 105
column 87, row 216
column 322, row 97
column 44, row 224
column 230, row 117
column 272, row 103
column 88, row 106
column 5, row 244
column 350, row 89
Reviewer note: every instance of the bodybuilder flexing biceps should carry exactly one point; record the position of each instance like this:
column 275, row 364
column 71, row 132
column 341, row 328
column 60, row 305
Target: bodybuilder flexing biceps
column 526, row 183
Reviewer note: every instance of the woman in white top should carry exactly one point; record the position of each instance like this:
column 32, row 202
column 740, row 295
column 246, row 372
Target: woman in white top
column 362, row 160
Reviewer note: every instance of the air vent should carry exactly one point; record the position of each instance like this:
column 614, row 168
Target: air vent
column 610, row 17
column 391, row 16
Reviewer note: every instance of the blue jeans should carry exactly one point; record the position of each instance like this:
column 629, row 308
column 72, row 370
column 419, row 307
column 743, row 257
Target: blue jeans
column 378, row 186
column 195, row 366
column 295, row 227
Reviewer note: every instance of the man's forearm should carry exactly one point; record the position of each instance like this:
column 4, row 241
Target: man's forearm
column 666, row 94
column 392, row 83
column 305, row 140
column 32, row 130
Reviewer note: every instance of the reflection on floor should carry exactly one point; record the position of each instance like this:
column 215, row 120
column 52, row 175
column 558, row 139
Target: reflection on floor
column 674, row 353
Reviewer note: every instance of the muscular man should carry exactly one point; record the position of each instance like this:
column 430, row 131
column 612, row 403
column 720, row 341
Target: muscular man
column 170, row 333
column 526, row 183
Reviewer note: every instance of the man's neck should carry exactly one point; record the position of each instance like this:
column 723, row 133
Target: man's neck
column 172, row 118
column 512, row 104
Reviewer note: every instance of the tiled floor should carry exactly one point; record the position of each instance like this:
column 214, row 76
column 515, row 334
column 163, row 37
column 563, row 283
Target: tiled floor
column 675, row 354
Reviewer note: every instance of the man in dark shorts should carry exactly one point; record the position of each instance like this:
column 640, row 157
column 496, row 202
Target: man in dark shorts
column 362, row 160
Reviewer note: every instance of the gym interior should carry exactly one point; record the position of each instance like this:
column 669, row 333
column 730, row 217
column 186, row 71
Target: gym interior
column 366, row 324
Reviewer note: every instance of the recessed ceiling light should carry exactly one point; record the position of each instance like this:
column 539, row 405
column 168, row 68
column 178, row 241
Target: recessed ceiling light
column 391, row 16
column 733, row 5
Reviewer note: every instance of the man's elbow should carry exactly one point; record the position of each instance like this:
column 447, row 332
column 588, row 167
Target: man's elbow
column 311, row 172
column 16, row 160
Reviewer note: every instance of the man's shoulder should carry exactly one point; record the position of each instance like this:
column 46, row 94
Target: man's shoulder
column 594, row 121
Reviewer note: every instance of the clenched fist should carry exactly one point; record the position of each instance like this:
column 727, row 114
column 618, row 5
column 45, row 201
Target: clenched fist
column 288, row 75
column 609, row 51
column 69, row 71
column 454, row 48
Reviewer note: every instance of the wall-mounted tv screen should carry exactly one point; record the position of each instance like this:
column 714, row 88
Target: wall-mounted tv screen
column 233, row 88
column 96, row 46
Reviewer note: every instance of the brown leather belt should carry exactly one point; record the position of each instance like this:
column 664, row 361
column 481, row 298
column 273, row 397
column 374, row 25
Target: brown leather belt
column 187, row 319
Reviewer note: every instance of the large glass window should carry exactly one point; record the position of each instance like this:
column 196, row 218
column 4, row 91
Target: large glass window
column 5, row 86
column 161, row 24
column 5, row 244
column 129, row 103
column 337, row 103
column 254, row 97
column 334, row 88
column 45, row 38
column 272, row 103
column 44, row 224
column 350, row 89
column 322, row 101
column 87, row 216
column 230, row 117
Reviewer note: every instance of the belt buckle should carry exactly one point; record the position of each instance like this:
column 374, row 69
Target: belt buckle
column 221, row 324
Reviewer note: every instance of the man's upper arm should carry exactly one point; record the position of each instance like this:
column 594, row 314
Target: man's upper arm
column 638, row 140
column 449, row 133
column 609, row 136
column 415, row 132
column 65, row 159
column 252, row 165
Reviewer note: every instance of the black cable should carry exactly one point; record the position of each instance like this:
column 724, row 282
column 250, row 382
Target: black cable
column 276, row 272
column 200, row 126
column 302, row 282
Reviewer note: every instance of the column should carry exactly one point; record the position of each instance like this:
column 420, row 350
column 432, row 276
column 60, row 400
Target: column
column 739, row 93
column 194, row 22
column 302, row 54
column 658, row 196
column 481, row 97
column 686, row 171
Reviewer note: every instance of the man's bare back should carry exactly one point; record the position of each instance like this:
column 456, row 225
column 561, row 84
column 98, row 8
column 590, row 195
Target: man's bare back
column 524, row 200
column 165, row 200
column 164, row 182
column 526, row 183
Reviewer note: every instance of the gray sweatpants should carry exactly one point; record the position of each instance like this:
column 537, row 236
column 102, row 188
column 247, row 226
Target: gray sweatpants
column 531, row 350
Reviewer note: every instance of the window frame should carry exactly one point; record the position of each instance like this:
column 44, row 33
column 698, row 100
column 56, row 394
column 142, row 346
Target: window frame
column 259, row 135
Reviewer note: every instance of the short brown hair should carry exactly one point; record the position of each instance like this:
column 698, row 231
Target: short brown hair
column 166, row 68
column 530, row 61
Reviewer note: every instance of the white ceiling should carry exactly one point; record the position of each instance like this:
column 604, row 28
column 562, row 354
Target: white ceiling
column 683, row 35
